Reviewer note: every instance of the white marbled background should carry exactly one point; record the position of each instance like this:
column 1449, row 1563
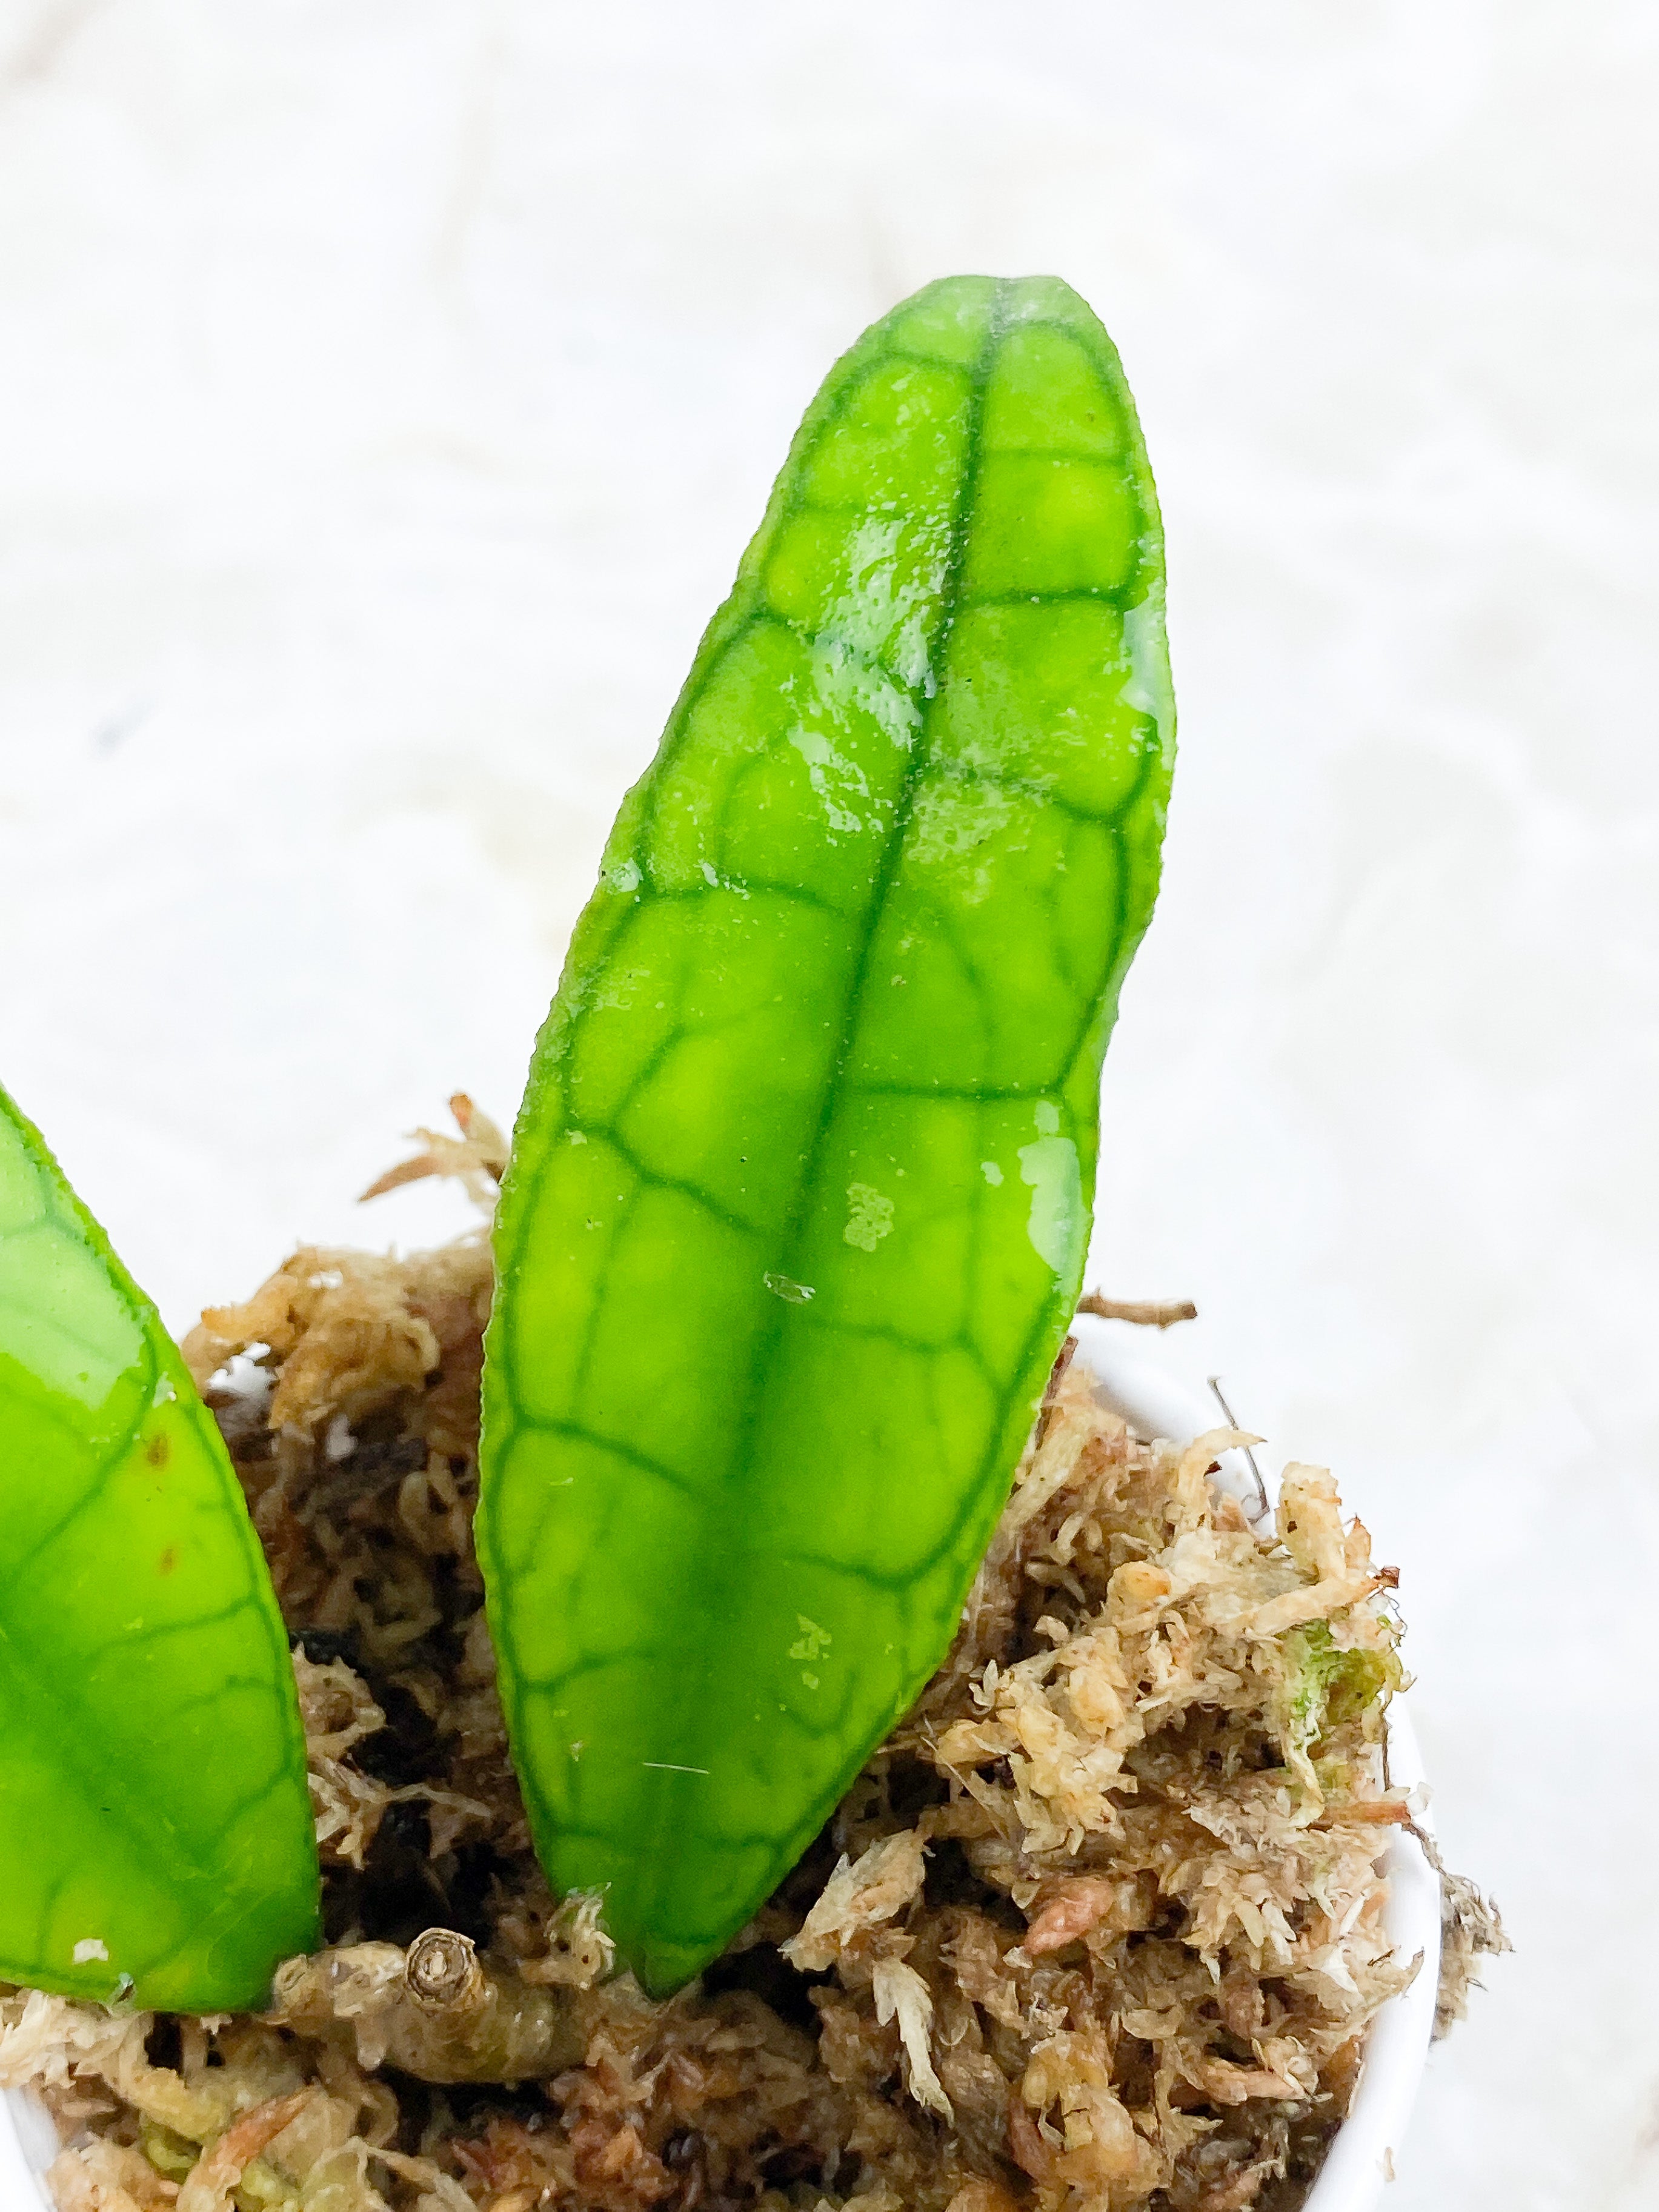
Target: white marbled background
column 387, row 390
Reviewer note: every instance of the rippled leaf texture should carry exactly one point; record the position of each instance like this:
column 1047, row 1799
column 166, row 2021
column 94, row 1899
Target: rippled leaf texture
column 154, row 1823
column 802, row 1181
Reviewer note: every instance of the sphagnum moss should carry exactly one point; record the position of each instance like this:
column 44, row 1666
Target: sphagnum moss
column 1083, row 1924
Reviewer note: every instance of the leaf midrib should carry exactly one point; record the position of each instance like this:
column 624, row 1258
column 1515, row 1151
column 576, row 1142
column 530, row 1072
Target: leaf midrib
column 740, row 1466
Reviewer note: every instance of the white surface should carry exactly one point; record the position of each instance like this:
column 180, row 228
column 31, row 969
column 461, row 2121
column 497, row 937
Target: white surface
column 388, row 388
column 1154, row 1403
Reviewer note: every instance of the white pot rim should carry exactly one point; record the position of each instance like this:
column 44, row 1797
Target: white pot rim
column 1360, row 2159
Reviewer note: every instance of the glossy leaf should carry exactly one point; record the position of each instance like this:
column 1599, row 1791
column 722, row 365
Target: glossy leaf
column 802, row 1182
column 155, row 1829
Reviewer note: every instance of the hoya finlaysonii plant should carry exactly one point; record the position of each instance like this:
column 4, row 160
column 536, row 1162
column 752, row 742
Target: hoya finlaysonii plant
column 794, row 1224
column 801, row 1188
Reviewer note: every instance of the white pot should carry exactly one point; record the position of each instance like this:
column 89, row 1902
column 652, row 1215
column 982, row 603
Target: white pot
column 29, row 2144
column 1360, row 2161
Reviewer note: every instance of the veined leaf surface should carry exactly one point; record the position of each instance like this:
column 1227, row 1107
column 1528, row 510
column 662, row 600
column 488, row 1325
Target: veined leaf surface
column 156, row 1829
column 802, row 1182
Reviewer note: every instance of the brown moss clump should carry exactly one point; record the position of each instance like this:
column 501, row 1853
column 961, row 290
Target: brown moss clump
column 1099, row 1927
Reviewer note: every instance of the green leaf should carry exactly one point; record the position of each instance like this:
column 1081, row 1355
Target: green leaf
column 155, row 1829
column 802, row 1182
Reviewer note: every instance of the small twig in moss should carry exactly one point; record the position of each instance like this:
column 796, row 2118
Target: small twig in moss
column 1145, row 1313
column 438, row 2012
